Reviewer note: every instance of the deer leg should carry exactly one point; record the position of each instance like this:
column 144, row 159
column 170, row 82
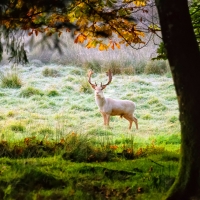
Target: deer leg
column 130, row 124
column 107, row 120
column 131, row 119
column 136, row 122
column 104, row 118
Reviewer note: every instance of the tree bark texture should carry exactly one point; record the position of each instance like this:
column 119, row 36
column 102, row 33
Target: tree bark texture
column 184, row 58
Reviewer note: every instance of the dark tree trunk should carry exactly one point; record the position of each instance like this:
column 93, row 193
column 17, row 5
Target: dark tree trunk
column 184, row 58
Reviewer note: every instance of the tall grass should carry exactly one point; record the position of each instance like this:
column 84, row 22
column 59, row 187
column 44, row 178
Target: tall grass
column 78, row 55
column 10, row 80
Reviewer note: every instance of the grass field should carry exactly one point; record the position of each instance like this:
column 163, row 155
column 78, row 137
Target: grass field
column 53, row 104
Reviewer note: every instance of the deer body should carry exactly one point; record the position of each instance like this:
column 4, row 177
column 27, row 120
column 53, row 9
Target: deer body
column 111, row 107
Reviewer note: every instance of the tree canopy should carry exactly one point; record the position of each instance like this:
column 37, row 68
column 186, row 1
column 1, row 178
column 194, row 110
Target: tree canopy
column 89, row 21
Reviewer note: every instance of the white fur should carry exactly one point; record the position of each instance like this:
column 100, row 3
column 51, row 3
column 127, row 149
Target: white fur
column 111, row 107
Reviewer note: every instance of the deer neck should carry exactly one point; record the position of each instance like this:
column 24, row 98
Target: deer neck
column 100, row 101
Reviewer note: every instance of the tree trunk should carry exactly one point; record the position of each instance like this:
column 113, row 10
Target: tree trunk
column 184, row 58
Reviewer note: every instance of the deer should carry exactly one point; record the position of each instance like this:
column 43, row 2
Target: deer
column 112, row 107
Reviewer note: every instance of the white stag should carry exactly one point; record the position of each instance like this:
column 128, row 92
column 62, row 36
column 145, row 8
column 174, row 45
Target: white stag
column 111, row 107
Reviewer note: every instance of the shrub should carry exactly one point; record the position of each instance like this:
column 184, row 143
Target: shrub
column 85, row 86
column 94, row 65
column 128, row 70
column 10, row 80
column 47, row 72
column 30, row 91
column 156, row 67
column 114, row 66
column 139, row 69
column 117, row 67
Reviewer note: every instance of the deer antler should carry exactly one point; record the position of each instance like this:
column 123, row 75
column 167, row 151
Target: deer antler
column 109, row 74
column 89, row 79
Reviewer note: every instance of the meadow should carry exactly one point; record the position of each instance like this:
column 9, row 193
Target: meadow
column 54, row 145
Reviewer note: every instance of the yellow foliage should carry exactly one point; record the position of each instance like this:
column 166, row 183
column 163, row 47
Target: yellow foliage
column 140, row 33
column 103, row 47
column 140, row 3
column 91, row 44
column 80, row 38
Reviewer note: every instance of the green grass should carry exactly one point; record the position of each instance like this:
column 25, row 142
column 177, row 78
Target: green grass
column 53, row 144
column 55, row 178
column 10, row 80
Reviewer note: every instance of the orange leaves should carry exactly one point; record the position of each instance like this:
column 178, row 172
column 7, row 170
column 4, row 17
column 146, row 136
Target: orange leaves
column 33, row 30
column 140, row 33
column 92, row 43
column 6, row 23
column 112, row 44
column 80, row 38
column 113, row 147
column 91, row 23
column 103, row 47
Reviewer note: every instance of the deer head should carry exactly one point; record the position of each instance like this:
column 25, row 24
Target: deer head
column 109, row 74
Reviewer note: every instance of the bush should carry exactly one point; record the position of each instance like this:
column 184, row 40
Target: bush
column 30, row 91
column 139, row 69
column 10, row 80
column 85, row 86
column 114, row 66
column 94, row 65
column 117, row 67
column 47, row 72
column 128, row 70
column 156, row 67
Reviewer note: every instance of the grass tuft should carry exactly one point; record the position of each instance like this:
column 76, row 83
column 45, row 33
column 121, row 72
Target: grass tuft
column 17, row 127
column 48, row 72
column 52, row 93
column 93, row 65
column 85, row 86
column 30, row 91
column 156, row 67
column 10, row 80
